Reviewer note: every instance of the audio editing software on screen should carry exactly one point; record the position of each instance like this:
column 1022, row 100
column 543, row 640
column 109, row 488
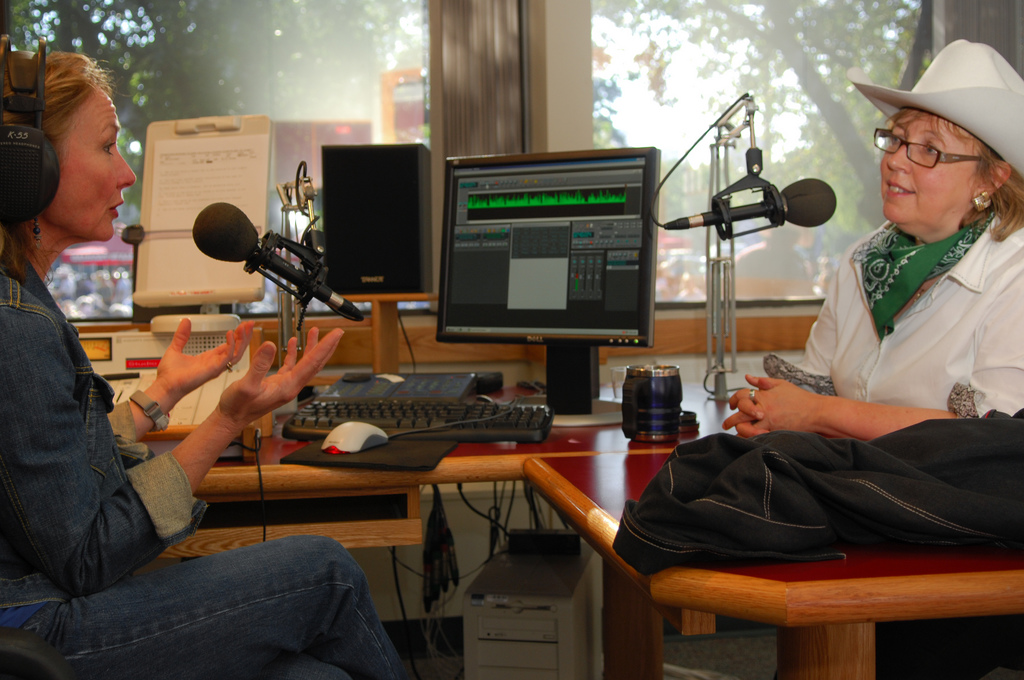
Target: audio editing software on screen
column 560, row 238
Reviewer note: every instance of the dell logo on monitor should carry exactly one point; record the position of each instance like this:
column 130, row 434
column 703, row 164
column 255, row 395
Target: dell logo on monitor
column 535, row 338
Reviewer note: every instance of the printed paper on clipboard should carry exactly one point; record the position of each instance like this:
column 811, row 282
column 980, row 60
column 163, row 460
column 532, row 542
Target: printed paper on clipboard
column 190, row 164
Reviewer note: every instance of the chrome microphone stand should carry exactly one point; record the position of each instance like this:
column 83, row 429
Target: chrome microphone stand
column 720, row 306
column 296, row 216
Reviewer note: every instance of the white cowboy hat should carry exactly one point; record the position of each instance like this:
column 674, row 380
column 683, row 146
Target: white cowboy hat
column 969, row 84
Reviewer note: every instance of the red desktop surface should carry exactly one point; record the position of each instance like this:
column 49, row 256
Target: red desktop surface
column 610, row 479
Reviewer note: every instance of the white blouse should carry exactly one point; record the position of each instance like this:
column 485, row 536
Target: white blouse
column 967, row 329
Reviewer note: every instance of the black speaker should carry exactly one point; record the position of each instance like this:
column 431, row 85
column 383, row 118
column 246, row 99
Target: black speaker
column 29, row 169
column 376, row 216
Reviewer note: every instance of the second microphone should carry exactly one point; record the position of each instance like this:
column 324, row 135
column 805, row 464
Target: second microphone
column 805, row 203
column 222, row 231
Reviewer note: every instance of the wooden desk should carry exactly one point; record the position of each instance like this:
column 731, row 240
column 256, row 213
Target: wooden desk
column 392, row 516
column 233, row 488
column 825, row 611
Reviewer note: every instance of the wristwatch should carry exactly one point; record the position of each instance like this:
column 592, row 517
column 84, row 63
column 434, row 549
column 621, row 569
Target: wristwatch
column 151, row 409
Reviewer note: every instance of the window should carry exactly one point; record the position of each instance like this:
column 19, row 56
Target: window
column 665, row 71
column 324, row 73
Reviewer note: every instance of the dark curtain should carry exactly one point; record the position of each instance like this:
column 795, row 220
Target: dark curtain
column 483, row 77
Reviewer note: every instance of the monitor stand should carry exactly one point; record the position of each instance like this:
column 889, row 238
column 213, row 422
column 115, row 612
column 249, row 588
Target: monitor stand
column 601, row 413
column 573, row 386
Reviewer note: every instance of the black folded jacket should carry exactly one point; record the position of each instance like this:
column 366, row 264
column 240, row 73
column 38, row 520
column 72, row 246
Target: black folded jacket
column 791, row 495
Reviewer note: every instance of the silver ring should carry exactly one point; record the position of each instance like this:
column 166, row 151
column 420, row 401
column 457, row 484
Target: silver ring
column 753, row 395
column 231, row 366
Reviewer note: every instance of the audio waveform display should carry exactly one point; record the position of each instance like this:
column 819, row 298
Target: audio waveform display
column 526, row 199
column 602, row 201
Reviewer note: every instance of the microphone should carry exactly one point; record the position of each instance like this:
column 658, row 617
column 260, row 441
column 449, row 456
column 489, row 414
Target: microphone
column 805, row 203
column 222, row 231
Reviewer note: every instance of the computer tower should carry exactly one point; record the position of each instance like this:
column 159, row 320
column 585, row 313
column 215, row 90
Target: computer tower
column 376, row 217
column 533, row 617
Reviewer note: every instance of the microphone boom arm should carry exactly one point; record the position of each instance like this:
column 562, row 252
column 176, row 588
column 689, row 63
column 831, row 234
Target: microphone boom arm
column 291, row 274
column 773, row 204
column 303, row 285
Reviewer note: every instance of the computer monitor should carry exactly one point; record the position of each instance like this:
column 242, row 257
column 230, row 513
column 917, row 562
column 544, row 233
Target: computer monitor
column 555, row 249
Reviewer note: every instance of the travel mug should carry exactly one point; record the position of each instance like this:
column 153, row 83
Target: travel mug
column 651, row 401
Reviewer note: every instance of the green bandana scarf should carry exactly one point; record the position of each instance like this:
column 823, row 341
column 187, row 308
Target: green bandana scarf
column 893, row 267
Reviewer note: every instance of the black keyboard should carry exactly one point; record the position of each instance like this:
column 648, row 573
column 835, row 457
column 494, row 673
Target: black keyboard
column 478, row 421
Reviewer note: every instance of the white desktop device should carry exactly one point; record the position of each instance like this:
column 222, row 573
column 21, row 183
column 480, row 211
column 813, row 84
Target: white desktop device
column 533, row 617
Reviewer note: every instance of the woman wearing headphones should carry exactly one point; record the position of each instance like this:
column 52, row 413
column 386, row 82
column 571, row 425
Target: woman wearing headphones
column 83, row 505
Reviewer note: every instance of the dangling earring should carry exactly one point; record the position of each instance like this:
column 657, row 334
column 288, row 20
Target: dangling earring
column 982, row 201
column 36, row 231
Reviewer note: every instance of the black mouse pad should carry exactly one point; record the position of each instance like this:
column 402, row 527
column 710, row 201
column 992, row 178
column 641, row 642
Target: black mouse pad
column 397, row 454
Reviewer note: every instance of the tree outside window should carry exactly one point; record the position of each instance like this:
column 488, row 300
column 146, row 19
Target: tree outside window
column 664, row 72
column 325, row 72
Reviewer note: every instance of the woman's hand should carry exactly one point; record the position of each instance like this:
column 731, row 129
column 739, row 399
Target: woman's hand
column 258, row 393
column 179, row 374
column 772, row 405
column 780, row 405
column 250, row 397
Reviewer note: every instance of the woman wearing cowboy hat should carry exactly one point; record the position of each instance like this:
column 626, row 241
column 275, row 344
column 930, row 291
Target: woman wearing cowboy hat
column 924, row 317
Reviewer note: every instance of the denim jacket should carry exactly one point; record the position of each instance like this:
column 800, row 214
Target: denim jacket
column 81, row 503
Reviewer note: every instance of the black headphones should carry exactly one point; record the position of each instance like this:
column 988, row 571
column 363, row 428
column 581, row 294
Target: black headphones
column 29, row 169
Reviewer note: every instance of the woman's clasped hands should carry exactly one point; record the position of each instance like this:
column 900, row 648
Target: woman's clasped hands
column 772, row 404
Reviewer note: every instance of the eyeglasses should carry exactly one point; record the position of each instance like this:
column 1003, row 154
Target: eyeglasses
column 922, row 154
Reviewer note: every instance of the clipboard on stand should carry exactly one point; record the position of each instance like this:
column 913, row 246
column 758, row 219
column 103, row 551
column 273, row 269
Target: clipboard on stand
column 189, row 164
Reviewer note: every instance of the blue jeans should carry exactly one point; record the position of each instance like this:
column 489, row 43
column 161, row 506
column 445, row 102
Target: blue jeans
column 297, row 607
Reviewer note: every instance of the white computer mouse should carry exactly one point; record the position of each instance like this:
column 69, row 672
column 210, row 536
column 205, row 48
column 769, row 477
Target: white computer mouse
column 353, row 437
